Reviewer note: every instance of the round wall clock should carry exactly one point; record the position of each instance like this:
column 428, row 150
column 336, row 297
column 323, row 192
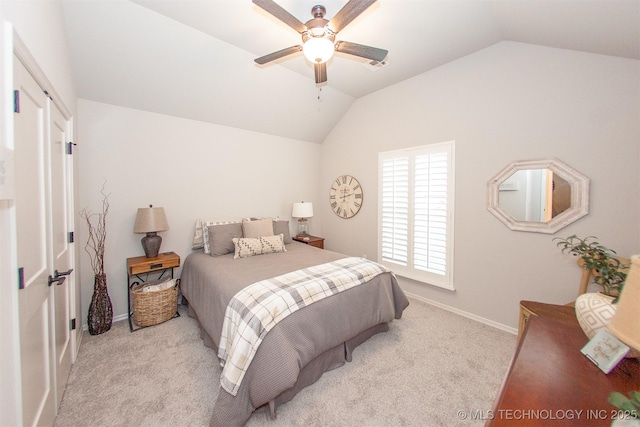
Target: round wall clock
column 345, row 196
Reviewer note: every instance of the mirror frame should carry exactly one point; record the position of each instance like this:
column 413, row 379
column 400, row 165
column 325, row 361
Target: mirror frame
column 579, row 196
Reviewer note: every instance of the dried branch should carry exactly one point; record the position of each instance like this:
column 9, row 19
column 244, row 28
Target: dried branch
column 97, row 223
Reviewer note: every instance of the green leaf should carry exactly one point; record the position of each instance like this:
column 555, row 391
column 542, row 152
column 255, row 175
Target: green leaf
column 620, row 401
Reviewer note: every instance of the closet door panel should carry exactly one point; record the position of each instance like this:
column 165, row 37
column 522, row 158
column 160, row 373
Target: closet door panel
column 34, row 250
column 62, row 248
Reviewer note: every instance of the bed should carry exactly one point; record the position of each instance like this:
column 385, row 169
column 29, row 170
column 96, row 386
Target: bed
column 300, row 347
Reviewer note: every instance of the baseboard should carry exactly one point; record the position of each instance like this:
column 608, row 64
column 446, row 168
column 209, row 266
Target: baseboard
column 463, row 313
column 78, row 338
column 120, row 317
column 457, row 311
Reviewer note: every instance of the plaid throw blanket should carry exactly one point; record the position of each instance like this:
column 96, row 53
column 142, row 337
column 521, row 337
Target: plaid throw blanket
column 256, row 309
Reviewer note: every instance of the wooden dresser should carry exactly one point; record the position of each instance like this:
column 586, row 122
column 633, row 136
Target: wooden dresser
column 551, row 383
column 561, row 313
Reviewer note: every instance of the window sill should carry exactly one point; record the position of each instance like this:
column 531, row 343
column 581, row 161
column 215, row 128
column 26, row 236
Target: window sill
column 420, row 279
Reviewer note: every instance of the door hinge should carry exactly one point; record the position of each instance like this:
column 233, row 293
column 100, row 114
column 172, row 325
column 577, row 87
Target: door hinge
column 16, row 101
column 70, row 147
column 73, row 324
column 21, row 278
column 71, row 237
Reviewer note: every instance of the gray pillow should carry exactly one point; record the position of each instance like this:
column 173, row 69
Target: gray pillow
column 204, row 234
column 282, row 227
column 220, row 238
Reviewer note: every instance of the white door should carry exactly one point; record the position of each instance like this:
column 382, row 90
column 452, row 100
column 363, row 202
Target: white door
column 60, row 165
column 33, row 250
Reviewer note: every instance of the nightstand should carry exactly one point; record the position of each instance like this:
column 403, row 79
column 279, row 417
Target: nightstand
column 141, row 265
column 318, row 242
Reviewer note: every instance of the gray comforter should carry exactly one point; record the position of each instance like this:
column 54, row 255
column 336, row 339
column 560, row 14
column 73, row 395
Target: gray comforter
column 300, row 348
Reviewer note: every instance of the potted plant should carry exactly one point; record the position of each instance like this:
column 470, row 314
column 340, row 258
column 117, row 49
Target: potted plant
column 609, row 271
column 100, row 314
column 629, row 414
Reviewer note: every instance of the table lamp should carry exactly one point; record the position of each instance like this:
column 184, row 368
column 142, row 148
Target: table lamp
column 302, row 211
column 625, row 323
column 151, row 220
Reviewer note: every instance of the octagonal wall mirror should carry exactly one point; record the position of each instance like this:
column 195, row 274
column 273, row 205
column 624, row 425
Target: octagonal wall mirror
column 540, row 196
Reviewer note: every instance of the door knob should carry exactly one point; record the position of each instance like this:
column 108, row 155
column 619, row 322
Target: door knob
column 64, row 273
column 59, row 279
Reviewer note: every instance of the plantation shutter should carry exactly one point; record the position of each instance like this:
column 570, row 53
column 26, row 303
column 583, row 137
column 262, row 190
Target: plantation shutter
column 415, row 208
column 395, row 210
column 430, row 213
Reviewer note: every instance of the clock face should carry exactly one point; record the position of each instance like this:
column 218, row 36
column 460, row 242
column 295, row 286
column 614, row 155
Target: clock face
column 345, row 196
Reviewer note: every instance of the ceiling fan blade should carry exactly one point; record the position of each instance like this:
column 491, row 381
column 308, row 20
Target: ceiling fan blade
column 276, row 10
column 348, row 13
column 321, row 72
column 362, row 50
column 277, row 55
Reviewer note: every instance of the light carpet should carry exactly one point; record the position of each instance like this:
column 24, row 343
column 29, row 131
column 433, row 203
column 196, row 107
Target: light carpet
column 432, row 368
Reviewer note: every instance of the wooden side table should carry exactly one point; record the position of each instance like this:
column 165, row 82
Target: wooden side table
column 141, row 265
column 318, row 242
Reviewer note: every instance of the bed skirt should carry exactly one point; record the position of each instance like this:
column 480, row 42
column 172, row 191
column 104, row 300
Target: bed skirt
column 225, row 415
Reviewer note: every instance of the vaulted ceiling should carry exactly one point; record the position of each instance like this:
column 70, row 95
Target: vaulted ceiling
column 194, row 58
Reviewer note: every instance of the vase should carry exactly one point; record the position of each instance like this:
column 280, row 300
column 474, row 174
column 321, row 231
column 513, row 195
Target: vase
column 100, row 310
column 594, row 311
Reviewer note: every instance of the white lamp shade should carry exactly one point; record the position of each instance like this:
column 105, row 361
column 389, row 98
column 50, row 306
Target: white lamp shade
column 318, row 49
column 302, row 210
column 150, row 220
column 625, row 323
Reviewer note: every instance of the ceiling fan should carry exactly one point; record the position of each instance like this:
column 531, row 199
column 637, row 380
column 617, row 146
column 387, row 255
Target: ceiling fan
column 318, row 35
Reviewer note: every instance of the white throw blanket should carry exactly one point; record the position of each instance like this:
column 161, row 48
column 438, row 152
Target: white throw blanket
column 256, row 309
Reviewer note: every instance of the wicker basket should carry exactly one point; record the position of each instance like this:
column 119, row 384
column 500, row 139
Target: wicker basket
column 151, row 308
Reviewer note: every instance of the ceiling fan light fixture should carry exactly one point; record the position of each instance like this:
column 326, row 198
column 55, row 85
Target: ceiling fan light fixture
column 318, row 49
column 317, row 31
column 319, row 35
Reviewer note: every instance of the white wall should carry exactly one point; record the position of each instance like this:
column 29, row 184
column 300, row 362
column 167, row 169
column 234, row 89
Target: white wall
column 40, row 25
column 192, row 169
column 508, row 102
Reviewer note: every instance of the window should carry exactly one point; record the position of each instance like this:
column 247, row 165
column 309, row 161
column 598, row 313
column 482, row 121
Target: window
column 415, row 213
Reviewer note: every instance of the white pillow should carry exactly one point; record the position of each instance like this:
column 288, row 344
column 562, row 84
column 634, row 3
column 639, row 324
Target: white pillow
column 250, row 246
column 160, row 286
